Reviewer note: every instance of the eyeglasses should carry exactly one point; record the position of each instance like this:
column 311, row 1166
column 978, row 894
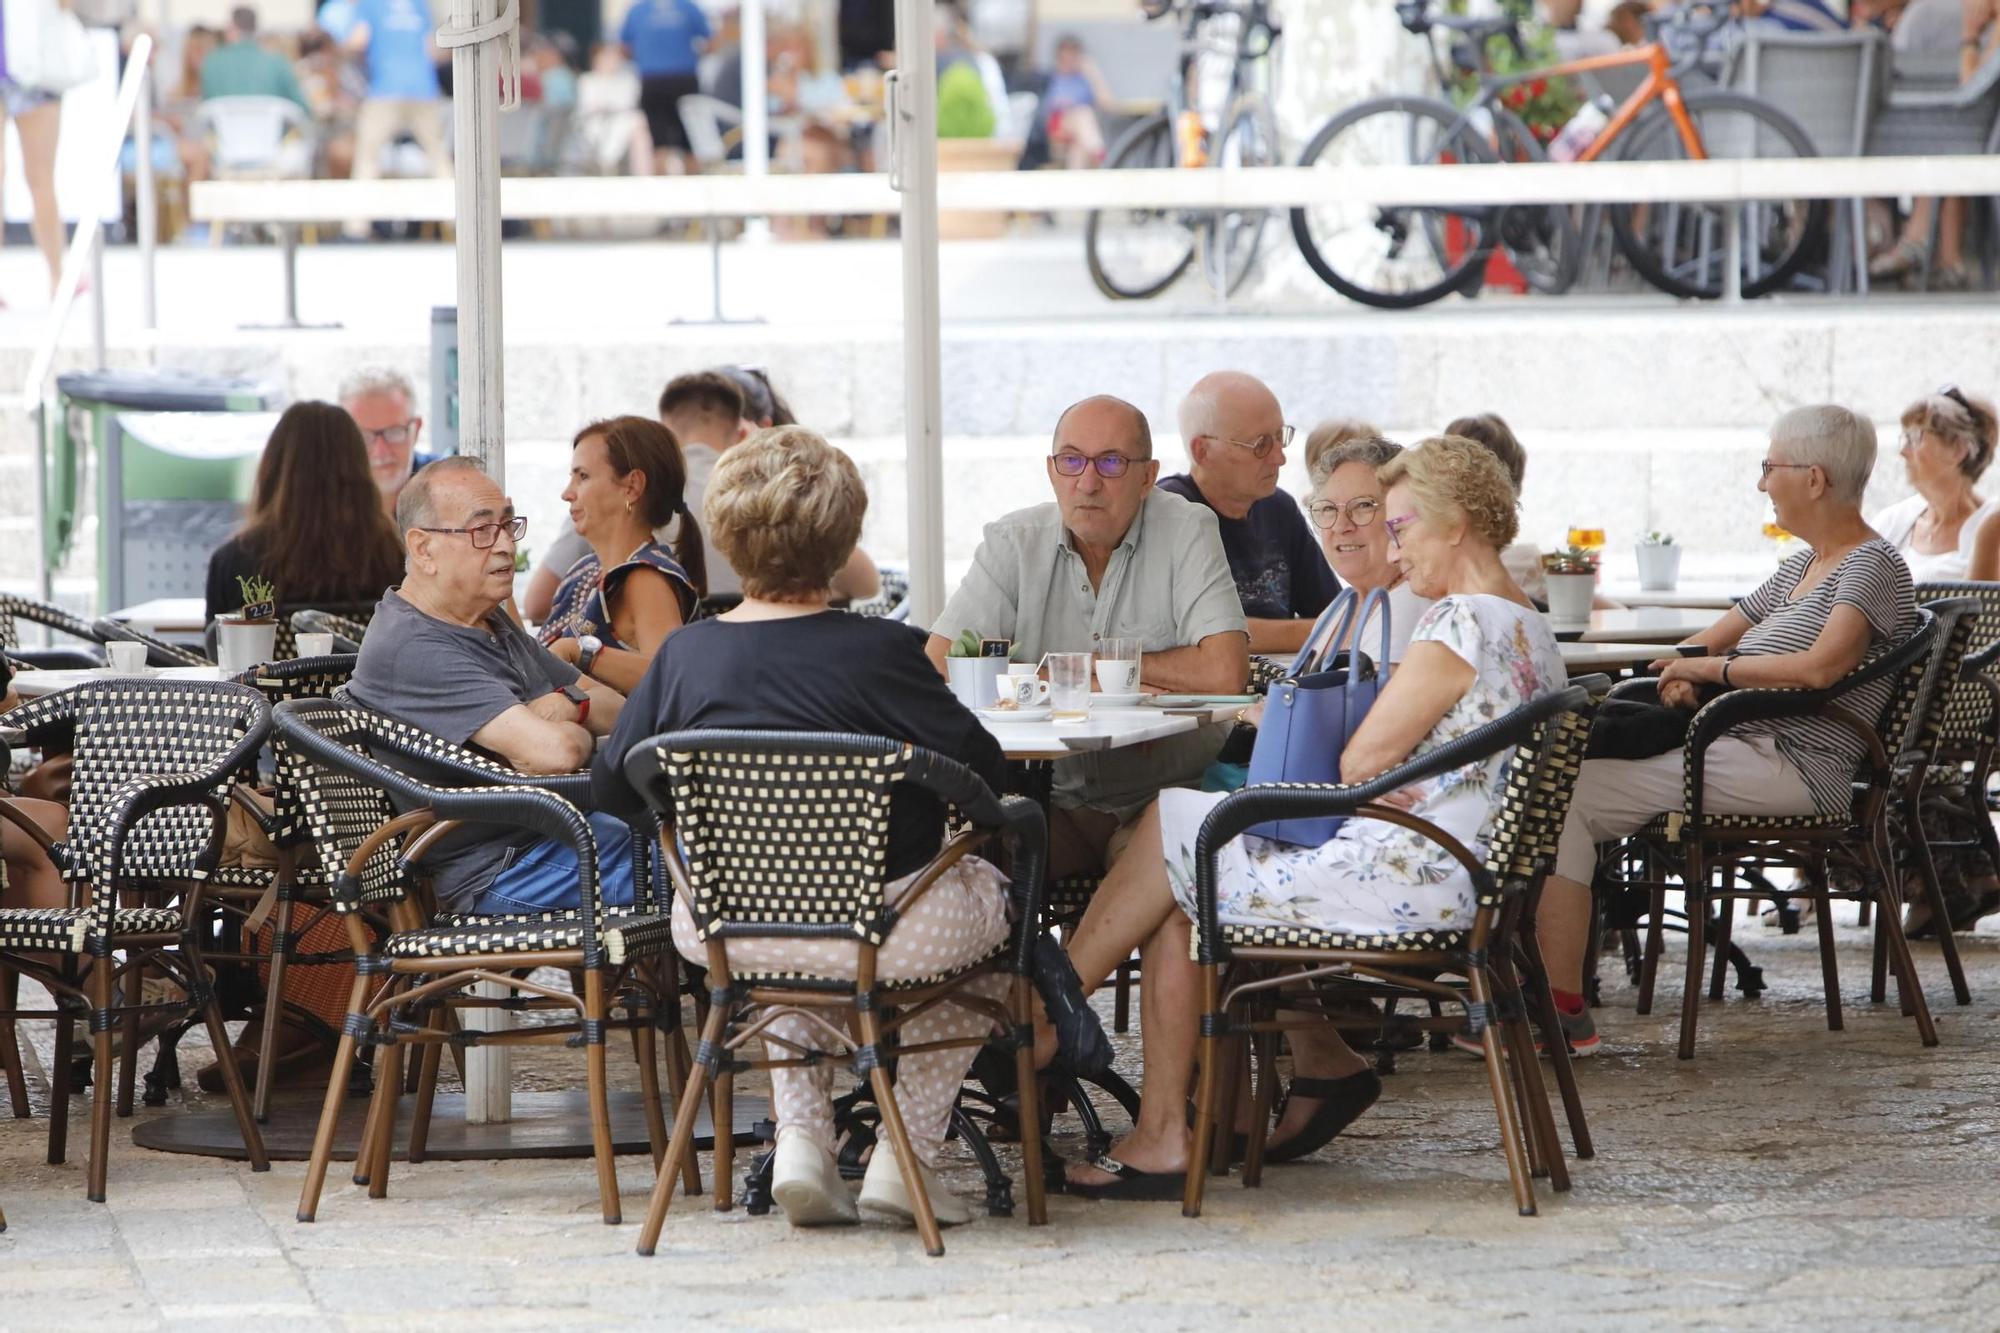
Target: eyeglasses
column 1768, row 467
column 398, row 435
column 1360, row 511
column 1395, row 527
column 1108, row 465
column 484, row 535
column 1263, row 444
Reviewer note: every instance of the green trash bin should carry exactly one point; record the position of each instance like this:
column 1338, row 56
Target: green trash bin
column 169, row 458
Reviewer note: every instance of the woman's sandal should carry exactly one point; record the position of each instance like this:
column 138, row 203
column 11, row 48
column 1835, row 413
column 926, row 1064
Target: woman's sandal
column 1341, row 1102
column 1130, row 1183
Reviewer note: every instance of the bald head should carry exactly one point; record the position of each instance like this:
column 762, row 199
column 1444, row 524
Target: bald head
column 1224, row 418
column 1102, row 410
column 1229, row 403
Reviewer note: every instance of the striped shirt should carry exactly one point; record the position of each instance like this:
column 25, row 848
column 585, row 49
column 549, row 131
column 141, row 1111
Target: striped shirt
column 1872, row 579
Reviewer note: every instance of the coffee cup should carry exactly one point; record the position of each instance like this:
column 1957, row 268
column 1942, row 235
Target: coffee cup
column 127, row 658
column 1024, row 690
column 315, row 645
column 1118, row 677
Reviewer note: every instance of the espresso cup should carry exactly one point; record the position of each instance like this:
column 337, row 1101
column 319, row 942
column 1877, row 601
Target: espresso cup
column 126, row 657
column 1118, row 677
column 1025, row 691
column 315, row 645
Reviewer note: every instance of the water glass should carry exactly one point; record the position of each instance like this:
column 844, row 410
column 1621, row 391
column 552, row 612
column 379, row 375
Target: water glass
column 1069, row 686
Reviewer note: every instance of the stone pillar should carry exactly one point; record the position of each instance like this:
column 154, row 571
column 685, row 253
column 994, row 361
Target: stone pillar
column 1333, row 54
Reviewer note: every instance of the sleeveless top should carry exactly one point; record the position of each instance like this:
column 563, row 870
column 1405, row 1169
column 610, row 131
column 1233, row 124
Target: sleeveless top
column 581, row 608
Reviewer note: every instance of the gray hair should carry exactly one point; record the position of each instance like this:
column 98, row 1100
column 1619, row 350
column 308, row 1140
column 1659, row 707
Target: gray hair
column 1839, row 442
column 377, row 379
column 1372, row 450
column 414, row 506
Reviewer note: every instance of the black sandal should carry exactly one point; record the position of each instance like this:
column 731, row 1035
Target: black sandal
column 1129, row 1183
column 1341, row 1102
column 1082, row 1048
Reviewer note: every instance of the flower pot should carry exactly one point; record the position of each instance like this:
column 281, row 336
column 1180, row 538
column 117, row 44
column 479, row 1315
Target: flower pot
column 1659, row 567
column 1569, row 597
column 243, row 644
column 975, row 155
column 973, row 680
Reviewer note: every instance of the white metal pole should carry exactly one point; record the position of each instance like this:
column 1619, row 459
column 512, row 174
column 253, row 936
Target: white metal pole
column 913, row 116
column 148, row 205
column 477, row 38
column 756, row 105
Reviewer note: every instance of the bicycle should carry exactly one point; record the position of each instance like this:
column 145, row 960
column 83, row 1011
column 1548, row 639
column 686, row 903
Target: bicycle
column 1400, row 257
column 1135, row 254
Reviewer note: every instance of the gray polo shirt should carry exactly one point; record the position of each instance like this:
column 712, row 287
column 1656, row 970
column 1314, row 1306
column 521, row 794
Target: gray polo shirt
column 1168, row 585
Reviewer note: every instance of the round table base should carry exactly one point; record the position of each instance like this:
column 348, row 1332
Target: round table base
column 545, row 1124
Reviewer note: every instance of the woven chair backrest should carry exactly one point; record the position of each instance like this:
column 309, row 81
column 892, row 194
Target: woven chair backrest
column 299, row 678
column 341, row 808
column 14, row 609
column 1968, row 720
column 1541, row 779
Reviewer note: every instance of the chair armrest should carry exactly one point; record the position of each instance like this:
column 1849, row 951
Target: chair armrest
column 1981, row 662
column 1639, row 689
column 127, row 806
column 1019, row 823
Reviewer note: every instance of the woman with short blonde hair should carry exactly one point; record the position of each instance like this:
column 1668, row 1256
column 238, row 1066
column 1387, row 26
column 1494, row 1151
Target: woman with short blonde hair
column 784, row 507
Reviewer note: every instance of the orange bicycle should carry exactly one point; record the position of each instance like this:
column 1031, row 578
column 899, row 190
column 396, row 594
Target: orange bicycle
column 1399, row 257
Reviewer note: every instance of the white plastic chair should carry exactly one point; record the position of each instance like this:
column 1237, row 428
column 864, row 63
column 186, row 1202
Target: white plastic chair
column 254, row 137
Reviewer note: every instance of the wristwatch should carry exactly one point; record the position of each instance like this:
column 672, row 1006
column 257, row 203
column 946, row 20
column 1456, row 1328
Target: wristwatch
column 581, row 700
column 588, row 646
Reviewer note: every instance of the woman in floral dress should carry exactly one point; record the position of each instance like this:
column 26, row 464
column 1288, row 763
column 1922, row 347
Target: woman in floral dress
column 1479, row 653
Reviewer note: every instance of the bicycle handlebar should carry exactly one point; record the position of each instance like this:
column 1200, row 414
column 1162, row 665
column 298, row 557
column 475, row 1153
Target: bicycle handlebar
column 1416, row 17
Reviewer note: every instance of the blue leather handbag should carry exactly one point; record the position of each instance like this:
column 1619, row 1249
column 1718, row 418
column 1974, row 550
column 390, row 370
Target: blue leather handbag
column 1308, row 718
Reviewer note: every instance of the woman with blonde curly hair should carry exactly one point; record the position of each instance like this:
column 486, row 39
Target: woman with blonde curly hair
column 1481, row 651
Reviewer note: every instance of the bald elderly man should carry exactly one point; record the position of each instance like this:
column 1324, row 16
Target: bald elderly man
column 1236, row 437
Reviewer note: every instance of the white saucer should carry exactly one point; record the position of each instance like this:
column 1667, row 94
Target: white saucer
column 1034, row 713
column 1117, row 700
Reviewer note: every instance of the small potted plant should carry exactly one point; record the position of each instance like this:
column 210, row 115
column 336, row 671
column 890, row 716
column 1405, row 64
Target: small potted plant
column 249, row 638
column 1571, row 576
column 1659, row 562
column 973, row 667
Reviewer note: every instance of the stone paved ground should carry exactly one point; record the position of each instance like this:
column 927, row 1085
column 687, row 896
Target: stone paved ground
column 1788, row 1176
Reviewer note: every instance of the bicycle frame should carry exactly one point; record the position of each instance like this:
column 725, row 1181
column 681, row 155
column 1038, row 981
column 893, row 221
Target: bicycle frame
column 1660, row 86
column 1254, row 23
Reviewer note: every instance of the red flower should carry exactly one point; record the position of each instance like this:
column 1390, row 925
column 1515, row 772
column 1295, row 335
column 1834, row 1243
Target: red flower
column 1538, row 88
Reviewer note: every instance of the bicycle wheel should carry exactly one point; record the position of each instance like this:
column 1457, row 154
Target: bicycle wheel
column 1683, row 248
column 1541, row 240
column 1230, row 241
column 1395, row 257
column 1136, row 253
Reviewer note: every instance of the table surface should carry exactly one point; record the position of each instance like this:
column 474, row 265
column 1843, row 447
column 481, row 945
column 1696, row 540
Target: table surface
column 1104, row 729
column 35, row 684
column 1586, row 657
column 172, row 615
column 1639, row 624
column 1711, row 595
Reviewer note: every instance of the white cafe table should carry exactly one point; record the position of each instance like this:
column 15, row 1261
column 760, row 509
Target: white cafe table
column 1583, row 658
column 1104, row 729
column 166, row 615
column 1716, row 595
column 1639, row 624
column 35, row 684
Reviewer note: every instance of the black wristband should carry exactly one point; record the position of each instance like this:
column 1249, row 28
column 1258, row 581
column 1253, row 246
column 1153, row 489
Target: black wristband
column 1725, row 673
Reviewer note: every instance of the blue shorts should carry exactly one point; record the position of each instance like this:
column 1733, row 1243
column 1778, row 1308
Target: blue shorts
column 542, row 876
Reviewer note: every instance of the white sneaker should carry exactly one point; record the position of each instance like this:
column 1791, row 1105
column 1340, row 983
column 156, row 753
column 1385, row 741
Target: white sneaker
column 806, row 1182
column 885, row 1199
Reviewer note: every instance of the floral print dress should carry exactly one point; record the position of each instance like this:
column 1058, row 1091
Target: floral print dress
column 1376, row 878
column 583, row 600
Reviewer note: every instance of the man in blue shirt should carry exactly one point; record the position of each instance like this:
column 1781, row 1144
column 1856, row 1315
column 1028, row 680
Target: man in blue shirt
column 395, row 38
column 665, row 39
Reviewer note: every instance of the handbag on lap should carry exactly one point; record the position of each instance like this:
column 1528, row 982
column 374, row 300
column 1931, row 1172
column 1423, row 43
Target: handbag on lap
column 1309, row 717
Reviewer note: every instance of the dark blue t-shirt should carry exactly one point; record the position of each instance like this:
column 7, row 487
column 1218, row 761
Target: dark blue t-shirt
column 1280, row 571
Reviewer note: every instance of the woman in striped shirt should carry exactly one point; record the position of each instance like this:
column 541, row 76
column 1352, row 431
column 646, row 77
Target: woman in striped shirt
column 1828, row 610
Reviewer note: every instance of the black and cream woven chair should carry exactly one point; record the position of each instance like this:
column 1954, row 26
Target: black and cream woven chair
column 347, row 628
column 154, row 762
column 1246, row 969
column 159, row 653
column 86, row 652
column 1968, row 735
column 349, row 797
column 1701, row 852
column 786, row 835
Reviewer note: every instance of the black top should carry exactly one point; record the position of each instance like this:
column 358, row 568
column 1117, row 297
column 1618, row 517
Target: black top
column 1279, row 569
column 234, row 557
column 827, row 672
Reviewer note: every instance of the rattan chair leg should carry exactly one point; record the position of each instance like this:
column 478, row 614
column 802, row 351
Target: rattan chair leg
column 329, row 1120
column 1208, row 1089
column 687, row 1106
column 1907, row 982
column 721, row 1112
column 1649, row 966
column 596, row 1013
column 647, row 1054
column 382, row 1121
column 1234, row 1072
column 1521, row 1058
column 274, row 1002
column 1829, row 964
column 1725, row 920
column 1511, row 1143
column 232, row 1077
column 59, row 1090
column 680, row 1067
column 426, row 1100
column 128, row 1055
column 1878, row 977
column 1934, row 890
column 1697, row 923
column 101, row 1089
column 11, row 1063
column 1030, row 1107
column 899, row 1139
column 1534, row 1091
column 1265, row 1071
column 1543, row 1008
column 1121, row 998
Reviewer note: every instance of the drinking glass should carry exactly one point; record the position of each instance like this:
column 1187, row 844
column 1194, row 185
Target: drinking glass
column 1069, row 686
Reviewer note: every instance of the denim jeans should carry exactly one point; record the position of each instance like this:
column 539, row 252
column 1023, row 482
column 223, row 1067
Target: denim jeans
column 542, row 877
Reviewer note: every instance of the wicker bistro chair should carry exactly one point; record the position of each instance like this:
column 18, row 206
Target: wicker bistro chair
column 786, row 835
column 159, row 653
column 1969, row 731
column 154, row 761
column 15, row 609
column 349, row 799
column 1246, row 968
column 1705, row 852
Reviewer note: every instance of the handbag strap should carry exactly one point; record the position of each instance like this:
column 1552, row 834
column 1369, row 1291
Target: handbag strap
column 1341, row 606
column 1352, row 684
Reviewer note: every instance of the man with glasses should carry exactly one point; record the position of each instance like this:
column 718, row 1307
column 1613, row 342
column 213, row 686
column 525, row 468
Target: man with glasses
column 1236, row 438
column 441, row 655
column 1113, row 557
column 383, row 404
